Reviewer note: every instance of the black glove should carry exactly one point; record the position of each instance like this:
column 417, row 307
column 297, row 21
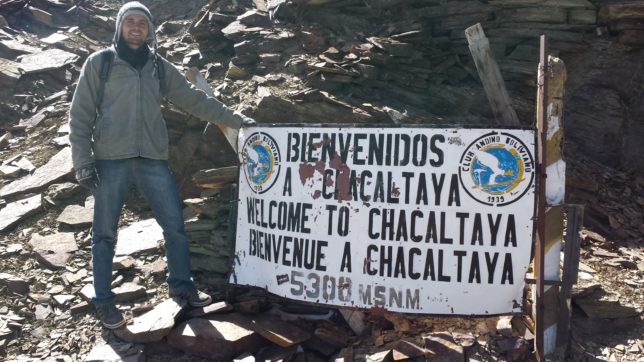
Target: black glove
column 248, row 122
column 87, row 177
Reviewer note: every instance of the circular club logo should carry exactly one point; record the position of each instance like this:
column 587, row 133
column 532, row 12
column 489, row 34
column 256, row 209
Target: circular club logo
column 496, row 169
column 261, row 161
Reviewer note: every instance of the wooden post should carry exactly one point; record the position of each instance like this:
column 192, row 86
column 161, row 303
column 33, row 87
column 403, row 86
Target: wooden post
column 555, row 194
column 574, row 217
column 195, row 77
column 552, row 77
column 539, row 246
column 490, row 76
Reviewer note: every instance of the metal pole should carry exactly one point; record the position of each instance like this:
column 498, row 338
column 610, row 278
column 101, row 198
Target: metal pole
column 541, row 198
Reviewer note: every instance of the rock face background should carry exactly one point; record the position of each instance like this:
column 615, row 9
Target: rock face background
column 390, row 62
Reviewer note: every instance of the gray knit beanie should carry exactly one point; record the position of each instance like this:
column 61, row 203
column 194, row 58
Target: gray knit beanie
column 134, row 7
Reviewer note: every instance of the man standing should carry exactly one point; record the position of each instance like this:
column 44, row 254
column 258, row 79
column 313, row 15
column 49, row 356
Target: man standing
column 119, row 138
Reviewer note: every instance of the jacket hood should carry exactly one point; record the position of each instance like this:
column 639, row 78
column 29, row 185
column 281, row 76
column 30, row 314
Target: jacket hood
column 134, row 7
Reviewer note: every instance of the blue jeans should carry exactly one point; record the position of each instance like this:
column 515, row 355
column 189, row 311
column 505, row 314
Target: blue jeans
column 154, row 181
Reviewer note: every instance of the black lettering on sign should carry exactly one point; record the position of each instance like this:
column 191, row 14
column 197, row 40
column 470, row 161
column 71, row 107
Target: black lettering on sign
column 454, row 196
column 507, row 275
column 429, row 266
column 345, row 146
column 358, row 148
column 312, row 146
column 436, row 150
column 388, row 297
column 491, row 266
column 346, row 258
column 292, row 147
column 330, row 209
column 477, row 230
column 376, row 148
column 494, row 227
column 475, row 269
column 286, row 190
column 459, row 263
column 462, row 216
column 419, row 150
column 366, row 268
column 510, row 232
column 315, row 286
column 328, row 147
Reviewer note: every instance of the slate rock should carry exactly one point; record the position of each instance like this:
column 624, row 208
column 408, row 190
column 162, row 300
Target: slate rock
column 18, row 210
column 54, row 250
column 46, row 60
column 139, row 237
column 442, row 347
column 155, row 324
column 218, row 338
column 129, row 292
column 122, row 353
column 10, row 49
column 76, row 215
column 9, row 73
column 14, row 284
column 255, row 18
column 59, row 166
column 63, row 191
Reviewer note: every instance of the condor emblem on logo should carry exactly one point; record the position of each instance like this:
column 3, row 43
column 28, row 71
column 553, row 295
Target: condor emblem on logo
column 496, row 169
column 261, row 161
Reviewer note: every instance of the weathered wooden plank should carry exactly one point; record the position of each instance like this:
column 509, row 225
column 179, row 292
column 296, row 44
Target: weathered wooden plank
column 216, row 178
column 490, row 76
column 575, row 216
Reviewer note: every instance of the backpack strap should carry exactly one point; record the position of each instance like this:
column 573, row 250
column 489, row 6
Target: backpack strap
column 158, row 67
column 107, row 58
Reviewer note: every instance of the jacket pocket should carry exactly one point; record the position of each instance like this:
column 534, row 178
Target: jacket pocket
column 99, row 128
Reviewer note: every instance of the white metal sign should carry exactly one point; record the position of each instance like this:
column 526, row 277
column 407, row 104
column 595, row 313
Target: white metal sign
column 416, row 220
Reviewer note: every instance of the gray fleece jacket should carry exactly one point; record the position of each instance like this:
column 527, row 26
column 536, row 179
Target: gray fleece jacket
column 130, row 122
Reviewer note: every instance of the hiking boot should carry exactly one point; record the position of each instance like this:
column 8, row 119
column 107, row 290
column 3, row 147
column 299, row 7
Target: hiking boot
column 195, row 298
column 110, row 316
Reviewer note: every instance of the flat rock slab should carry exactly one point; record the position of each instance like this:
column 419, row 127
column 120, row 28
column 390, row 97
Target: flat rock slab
column 128, row 292
column 155, row 324
column 139, row 237
column 214, row 308
column 63, row 191
column 15, row 285
column 54, row 250
column 54, row 38
column 18, row 210
column 125, row 293
column 441, row 347
column 284, row 334
column 9, row 49
column 9, row 73
column 47, row 60
column 76, row 215
column 116, row 352
column 58, row 167
column 220, row 338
